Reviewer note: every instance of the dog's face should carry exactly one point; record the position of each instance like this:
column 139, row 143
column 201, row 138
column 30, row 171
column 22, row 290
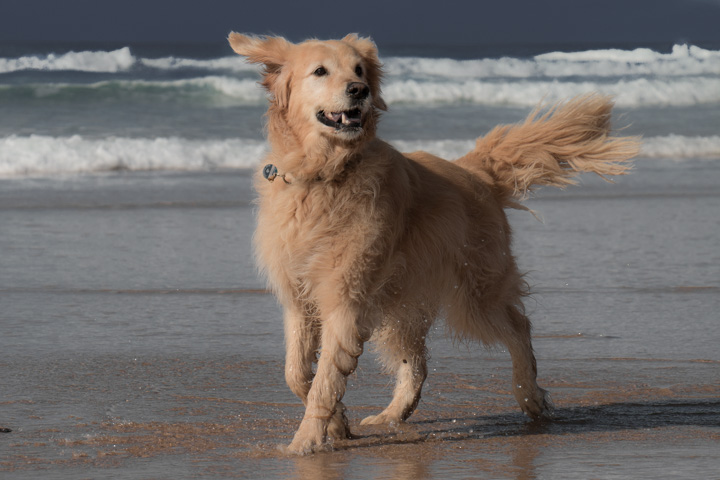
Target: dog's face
column 326, row 88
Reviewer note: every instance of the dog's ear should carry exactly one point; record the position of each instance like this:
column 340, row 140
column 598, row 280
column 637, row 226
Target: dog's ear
column 373, row 68
column 272, row 53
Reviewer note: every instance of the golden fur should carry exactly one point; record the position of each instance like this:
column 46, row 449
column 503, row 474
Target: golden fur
column 359, row 240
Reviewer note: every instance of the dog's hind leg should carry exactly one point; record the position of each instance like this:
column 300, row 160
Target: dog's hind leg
column 533, row 400
column 407, row 359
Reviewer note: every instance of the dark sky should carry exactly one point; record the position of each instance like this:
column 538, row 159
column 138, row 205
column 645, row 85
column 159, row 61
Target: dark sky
column 403, row 22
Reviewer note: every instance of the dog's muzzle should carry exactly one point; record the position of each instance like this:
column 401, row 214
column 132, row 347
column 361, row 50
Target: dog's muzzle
column 351, row 119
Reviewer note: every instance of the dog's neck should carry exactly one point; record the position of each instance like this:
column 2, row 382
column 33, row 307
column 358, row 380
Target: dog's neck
column 309, row 160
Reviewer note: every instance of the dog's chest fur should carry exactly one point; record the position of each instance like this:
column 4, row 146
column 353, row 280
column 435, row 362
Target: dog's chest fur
column 307, row 233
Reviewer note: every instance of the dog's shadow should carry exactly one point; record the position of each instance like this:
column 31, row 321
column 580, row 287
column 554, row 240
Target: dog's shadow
column 564, row 421
column 406, row 452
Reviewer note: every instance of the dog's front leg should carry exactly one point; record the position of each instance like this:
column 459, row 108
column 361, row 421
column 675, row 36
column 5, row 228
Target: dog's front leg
column 302, row 339
column 341, row 346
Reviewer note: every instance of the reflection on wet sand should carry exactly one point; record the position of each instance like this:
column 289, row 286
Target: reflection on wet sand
column 204, row 427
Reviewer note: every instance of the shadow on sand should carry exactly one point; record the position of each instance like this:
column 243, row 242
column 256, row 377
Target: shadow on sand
column 588, row 419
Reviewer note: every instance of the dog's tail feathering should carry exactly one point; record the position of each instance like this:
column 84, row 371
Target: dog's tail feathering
column 551, row 148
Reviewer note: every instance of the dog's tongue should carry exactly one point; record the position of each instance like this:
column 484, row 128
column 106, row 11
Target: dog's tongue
column 335, row 117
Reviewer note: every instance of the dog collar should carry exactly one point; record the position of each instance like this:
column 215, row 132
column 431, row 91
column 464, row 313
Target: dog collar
column 270, row 172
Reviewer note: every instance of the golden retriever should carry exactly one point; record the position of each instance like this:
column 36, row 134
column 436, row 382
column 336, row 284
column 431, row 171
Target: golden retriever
column 360, row 241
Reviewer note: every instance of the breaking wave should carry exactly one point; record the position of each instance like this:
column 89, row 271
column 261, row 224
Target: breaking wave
column 686, row 76
column 683, row 60
column 38, row 155
column 633, row 93
column 107, row 62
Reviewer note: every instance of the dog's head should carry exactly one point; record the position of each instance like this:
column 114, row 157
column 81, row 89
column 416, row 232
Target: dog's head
column 322, row 89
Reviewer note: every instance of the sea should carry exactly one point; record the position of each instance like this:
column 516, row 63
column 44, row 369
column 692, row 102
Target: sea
column 139, row 341
column 79, row 109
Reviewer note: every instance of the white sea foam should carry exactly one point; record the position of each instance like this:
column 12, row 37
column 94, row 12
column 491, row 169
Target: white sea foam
column 44, row 155
column 110, row 62
column 639, row 55
column 670, row 146
column 632, row 93
column 246, row 91
column 681, row 146
column 235, row 63
column 628, row 93
column 683, row 61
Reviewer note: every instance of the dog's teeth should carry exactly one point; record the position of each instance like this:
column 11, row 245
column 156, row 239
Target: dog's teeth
column 344, row 118
column 335, row 117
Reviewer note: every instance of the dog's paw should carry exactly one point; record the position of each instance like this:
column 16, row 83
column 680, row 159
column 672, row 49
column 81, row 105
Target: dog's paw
column 309, row 438
column 380, row 419
column 304, row 446
column 338, row 428
column 536, row 405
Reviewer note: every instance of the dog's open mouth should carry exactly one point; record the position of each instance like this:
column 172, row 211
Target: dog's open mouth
column 347, row 120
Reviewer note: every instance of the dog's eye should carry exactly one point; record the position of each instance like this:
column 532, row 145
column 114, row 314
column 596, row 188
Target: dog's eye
column 358, row 71
column 320, row 72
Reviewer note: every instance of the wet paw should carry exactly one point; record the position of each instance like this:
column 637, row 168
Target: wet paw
column 308, row 439
column 380, row 419
column 536, row 404
column 338, row 428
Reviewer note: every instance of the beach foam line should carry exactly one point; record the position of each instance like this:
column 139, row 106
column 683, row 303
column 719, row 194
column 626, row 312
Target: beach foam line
column 87, row 61
column 640, row 92
column 210, row 89
column 669, row 146
column 143, row 291
column 39, row 155
column 45, row 155
column 683, row 60
column 681, row 146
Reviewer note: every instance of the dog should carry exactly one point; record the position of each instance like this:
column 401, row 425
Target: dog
column 359, row 241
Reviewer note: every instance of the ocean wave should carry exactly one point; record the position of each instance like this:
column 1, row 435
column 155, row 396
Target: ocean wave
column 681, row 146
column 684, row 60
column 235, row 63
column 38, row 155
column 211, row 88
column 219, row 90
column 627, row 93
column 669, row 146
column 119, row 60
column 96, row 61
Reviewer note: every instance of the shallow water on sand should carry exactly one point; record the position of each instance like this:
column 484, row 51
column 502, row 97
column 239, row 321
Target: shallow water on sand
column 138, row 341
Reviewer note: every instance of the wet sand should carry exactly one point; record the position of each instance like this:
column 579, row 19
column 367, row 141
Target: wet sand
column 224, row 418
column 139, row 343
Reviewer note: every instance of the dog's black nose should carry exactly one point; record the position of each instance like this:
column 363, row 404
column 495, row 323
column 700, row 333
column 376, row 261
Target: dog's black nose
column 357, row 90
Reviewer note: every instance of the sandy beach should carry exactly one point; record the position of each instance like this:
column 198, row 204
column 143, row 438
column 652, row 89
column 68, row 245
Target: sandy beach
column 138, row 341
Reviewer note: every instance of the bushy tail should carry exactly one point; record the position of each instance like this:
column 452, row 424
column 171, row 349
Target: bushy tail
column 551, row 148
